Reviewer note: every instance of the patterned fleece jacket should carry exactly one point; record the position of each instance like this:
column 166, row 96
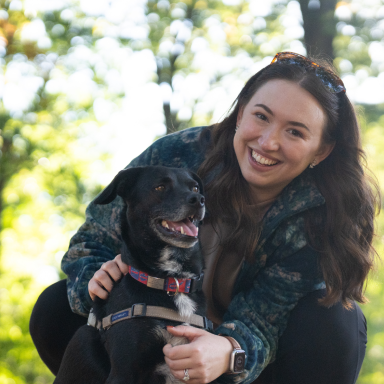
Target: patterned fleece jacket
column 285, row 267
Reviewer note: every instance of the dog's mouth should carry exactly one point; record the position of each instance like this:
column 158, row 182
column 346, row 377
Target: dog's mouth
column 187, row 227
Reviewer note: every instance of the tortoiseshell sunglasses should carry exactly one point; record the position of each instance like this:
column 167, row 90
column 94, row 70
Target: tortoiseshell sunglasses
column 328, row 78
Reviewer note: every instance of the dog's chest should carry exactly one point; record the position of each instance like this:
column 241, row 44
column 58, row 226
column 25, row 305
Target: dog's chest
column 185, row 305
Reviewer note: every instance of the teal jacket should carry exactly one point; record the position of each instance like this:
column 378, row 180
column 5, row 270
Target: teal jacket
column 285, row 267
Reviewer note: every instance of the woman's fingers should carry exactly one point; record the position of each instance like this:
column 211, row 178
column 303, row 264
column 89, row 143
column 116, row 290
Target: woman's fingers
column 180, row 364
column 122, row 266
column 95, row 289
column 186, row 331
column 177, row 353
column 103, row 279
column 112, row 268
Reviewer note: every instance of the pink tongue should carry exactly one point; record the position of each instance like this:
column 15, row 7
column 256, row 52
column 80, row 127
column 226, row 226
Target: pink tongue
column 188, row 227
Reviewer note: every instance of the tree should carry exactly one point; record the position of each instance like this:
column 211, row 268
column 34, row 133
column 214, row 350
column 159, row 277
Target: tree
column 319, row 25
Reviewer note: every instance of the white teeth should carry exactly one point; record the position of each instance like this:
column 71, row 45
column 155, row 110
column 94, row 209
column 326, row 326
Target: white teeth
column 182, row 230
column 164, row 224
column 262, row 160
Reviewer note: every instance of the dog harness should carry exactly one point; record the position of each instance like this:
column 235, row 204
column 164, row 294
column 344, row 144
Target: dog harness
column 170, row 284
column 144, row 310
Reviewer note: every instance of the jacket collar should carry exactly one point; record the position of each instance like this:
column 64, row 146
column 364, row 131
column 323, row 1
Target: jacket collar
column 298, row 196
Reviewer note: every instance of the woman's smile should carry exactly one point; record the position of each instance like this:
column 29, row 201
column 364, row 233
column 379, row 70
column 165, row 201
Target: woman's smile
column 261, row 160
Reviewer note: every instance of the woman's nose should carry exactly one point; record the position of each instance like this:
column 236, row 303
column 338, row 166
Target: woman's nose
column 269, row 139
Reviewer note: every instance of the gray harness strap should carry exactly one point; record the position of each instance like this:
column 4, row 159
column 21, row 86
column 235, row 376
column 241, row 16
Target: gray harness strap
column 143, row 310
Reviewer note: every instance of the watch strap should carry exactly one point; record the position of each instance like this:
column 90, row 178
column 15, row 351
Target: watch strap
column 233, row 341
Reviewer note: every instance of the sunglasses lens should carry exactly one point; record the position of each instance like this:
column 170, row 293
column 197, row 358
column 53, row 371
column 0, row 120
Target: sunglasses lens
column 329, row 79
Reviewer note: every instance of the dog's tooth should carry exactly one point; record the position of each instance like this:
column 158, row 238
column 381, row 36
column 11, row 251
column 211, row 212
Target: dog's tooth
column 182, row 230
column 164, row 224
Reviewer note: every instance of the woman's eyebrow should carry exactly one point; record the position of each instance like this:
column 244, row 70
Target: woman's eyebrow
column 295, row 123
column 265, row 107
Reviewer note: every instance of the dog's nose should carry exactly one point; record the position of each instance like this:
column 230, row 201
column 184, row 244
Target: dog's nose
column 197, row 201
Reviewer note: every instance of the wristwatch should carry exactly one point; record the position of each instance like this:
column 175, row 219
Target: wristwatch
column 237, row 362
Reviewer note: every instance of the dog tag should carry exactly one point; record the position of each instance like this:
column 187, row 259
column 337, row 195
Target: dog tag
column 155, row 282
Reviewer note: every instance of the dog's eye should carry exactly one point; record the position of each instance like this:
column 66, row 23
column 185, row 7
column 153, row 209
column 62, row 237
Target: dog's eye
column 160, row 188
column 195, row 189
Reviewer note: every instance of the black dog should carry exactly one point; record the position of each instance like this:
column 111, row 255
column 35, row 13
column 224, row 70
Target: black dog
column 159, row 229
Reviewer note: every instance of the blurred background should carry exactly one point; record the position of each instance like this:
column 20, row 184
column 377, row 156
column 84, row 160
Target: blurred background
column 86, row 85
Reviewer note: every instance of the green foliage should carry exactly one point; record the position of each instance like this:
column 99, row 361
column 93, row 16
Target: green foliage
column 19, row 360
column 373, row 367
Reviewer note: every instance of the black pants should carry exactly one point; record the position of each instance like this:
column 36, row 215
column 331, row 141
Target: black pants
column 319, row 346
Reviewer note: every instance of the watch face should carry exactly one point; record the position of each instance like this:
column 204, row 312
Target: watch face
column 239, row 362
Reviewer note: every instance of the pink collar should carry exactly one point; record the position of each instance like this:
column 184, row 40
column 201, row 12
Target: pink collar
column 169, row 284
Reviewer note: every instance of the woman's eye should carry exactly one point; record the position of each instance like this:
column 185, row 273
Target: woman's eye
column 195, row 189
column 261, row 116
column 160, row 188
column 296, row 133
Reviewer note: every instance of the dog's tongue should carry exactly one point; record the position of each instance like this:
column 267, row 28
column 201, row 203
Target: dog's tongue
column 188, row 227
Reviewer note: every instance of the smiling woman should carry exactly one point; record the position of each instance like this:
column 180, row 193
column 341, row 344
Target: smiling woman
column 287, row 238
column 279, row 133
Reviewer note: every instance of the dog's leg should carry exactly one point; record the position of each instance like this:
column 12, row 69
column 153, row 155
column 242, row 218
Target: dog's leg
column 85, row 360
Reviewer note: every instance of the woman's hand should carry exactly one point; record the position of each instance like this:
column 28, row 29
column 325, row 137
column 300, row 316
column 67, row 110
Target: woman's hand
column 102, row 281
column 206, row 357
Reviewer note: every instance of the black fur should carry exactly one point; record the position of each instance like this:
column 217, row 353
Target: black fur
column 130, row 350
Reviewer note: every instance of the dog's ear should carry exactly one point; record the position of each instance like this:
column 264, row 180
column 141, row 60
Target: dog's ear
column 197, row 178
column 123, row 182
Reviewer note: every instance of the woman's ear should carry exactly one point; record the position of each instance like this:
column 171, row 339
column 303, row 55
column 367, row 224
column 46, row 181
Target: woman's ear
column 324, row 152
column 239, row 115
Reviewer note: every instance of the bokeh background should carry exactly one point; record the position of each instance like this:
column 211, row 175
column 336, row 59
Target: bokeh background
column 86, row 85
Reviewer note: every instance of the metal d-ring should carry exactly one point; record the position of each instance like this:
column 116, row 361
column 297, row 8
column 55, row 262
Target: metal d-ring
column 177, row 288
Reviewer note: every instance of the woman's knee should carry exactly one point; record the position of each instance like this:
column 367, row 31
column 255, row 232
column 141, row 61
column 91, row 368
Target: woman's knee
column 322, row 345
column 53, row 324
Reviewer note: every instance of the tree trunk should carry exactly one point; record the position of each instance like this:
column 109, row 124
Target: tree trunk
column 319, row 26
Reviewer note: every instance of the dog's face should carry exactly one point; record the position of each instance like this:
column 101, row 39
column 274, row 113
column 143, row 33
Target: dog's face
column 167, row 201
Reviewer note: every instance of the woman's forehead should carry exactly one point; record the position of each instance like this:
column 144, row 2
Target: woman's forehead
column 287, row 98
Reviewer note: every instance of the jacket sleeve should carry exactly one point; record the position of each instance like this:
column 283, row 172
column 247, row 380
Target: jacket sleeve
column 97, row 241
column 257, row 316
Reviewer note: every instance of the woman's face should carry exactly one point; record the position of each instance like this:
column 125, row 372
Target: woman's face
column 279, row 134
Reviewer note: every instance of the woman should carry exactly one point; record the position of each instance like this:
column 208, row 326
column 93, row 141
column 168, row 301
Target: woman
column 290, row 212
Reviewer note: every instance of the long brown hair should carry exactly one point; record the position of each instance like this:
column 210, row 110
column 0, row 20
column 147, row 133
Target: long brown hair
column 342, row 230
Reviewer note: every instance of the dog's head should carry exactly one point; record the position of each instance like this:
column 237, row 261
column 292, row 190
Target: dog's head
column 167, row 201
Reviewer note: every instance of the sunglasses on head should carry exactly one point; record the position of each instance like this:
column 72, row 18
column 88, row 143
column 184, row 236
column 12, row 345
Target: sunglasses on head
column 328, row 78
